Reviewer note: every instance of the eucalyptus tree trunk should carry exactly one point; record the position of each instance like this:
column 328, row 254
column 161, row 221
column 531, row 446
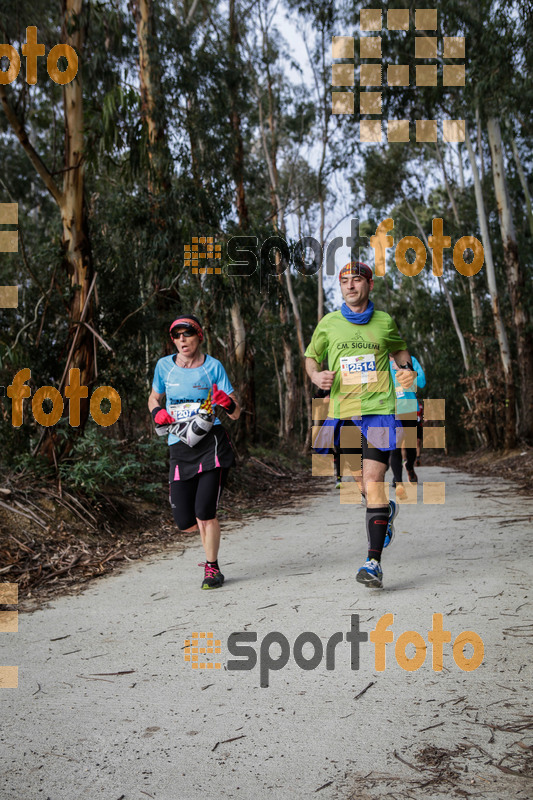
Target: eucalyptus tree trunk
column 151, row 99
column 499, row 328
column 475, row 305
column 446, row 292
column 523, row 181
column 244, row 356
column 70, row 202
column 288, row 417
column 515, row 281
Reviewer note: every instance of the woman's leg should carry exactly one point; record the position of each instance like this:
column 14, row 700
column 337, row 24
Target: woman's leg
column 210, row 485
column 182, row 495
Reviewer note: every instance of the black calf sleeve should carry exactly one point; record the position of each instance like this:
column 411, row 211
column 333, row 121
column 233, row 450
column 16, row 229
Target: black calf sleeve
column 376, row 527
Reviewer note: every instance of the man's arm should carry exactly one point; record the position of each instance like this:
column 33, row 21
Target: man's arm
column 405, row 376
column 321, row 378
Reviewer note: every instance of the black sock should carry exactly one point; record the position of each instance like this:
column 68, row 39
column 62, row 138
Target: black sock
column 213, row 564
column 376, row 527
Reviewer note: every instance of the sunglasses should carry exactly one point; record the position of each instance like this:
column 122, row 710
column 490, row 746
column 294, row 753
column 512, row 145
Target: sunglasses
column 176, row 334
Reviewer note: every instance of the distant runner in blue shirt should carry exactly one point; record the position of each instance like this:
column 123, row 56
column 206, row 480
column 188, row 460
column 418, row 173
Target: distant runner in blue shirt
column 406, row 410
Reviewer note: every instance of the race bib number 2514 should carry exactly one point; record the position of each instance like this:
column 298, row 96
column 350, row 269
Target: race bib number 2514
column 359, row 369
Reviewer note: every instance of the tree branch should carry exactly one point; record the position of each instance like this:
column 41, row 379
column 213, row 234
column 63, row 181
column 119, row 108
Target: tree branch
column 29, row 149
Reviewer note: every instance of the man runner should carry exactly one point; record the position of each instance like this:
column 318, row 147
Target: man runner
column 357, row 341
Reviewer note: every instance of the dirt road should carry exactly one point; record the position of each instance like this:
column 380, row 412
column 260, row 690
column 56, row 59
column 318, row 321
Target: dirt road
column 108, row 707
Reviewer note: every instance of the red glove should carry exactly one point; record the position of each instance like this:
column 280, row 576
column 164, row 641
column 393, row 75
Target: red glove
column 162, row 417
column 220, row 398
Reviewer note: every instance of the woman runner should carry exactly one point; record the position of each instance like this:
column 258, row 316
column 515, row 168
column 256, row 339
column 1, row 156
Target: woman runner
column 190, row 380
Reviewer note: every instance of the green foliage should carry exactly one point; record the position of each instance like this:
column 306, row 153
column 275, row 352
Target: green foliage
column 98, row 464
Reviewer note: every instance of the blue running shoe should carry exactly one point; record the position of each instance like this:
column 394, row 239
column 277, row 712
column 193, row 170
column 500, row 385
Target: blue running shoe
column 393, row 513
column 371, row 574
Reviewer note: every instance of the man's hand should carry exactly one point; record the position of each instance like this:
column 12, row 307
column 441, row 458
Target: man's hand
column 405, row 377
column 324, row 379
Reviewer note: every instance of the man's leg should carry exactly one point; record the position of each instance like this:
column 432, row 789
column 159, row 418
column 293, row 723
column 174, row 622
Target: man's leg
column 377, row 518
column 396, row 464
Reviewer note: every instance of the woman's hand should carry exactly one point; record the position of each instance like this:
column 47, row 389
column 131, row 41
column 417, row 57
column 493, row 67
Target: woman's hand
column 162, row 417
column 223, row 399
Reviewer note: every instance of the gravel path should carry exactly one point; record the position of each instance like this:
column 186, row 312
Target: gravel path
column 107, row 707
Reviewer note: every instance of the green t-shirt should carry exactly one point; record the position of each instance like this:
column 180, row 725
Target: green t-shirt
column 359, row 354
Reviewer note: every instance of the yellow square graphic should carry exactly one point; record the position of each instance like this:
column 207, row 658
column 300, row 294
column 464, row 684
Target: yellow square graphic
column 433, row 493
column 9, row 214
column 453, row 75
column 342, row 103
column 434, row 437
column 426, row 130
column 350, row 437
column 320, row 407
column 398, row 130
column 398, row 75
column 350, row 494
column 409, row 495
column 342, row 47
column 321, row 466
column 9, row 241
column 370, row 19
column 370, row 75
column 426, row 19
column 426, row 47
column 453, row 47
column 9, row 593
column 426, row 75
column 407, row 436
column 342, row 75
column 370, row 130
column 322, row 437
column 9, row 621
column 377, row 493
column 9, row 677
column 191, row 652
column 398, row 19
column 351, row 463
column 9, row 296
column 453, row 130
column 370, row 46
column 378, row 437
column 195, row 240
column 370, row 102
column 434, row 409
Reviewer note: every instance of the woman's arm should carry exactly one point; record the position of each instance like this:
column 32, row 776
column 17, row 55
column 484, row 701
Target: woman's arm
column 154, row 400
column 237, row 411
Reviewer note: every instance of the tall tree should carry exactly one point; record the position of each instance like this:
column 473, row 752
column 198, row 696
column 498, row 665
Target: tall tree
column 70, row 201
column 515, row 279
